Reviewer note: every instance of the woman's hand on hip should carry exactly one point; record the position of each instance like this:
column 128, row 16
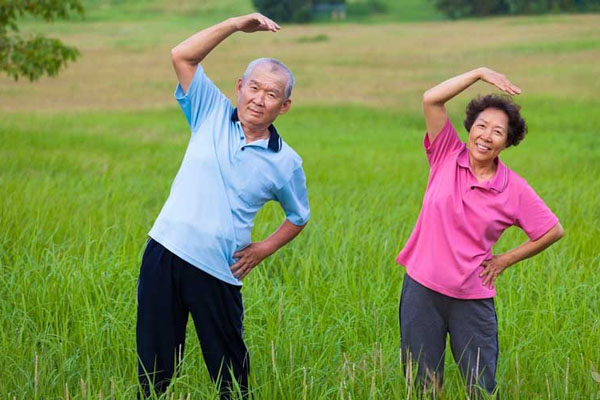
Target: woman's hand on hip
column 492, row 269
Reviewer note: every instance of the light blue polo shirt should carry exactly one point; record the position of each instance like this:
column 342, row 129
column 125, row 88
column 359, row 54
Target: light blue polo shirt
column 223, row 182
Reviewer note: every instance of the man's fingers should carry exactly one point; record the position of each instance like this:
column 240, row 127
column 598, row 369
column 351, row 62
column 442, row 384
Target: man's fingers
column 243, row 274
column 236, row 266
column 241, row 260
column 245, row 271
column 266, row 24
column 239, row 270
column 270, row 25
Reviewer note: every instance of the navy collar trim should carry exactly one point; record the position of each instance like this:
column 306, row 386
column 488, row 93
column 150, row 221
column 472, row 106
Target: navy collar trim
column 275, row 141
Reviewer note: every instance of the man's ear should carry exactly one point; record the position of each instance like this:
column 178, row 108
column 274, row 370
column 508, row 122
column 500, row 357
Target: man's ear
column 285, row 107
column 238, row 87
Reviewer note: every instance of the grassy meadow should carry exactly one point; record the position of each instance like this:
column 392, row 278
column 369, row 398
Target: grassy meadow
column 87, row 160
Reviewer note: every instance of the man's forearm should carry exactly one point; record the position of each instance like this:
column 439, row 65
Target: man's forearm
column 195, row 48
column 282, row 236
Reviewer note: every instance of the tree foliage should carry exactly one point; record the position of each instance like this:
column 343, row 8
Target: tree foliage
column 285, row 10
column 34, row 56
column 471, row 8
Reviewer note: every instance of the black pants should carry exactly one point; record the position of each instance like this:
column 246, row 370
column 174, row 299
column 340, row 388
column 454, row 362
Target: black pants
column 169, row 290
column 426, row 317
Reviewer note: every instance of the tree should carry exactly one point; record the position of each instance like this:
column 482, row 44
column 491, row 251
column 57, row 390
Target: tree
column 37, row 55
column 285, row 10
column 478, row 8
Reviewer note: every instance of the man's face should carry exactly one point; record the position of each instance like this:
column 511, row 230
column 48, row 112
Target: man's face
column 261, row 96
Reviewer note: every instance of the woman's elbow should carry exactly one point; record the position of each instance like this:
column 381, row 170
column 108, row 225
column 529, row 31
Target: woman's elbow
column 427, row 98
column 559, row 232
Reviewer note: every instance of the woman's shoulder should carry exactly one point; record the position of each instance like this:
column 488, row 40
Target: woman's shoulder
column 515, row 182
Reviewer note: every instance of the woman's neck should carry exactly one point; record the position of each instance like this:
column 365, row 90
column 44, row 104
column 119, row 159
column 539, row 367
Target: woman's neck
column 483, row 171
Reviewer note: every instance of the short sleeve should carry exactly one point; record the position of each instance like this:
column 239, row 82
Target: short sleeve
column 533, row 215
column 201, row 98
column 293, row 198
column 444, row 144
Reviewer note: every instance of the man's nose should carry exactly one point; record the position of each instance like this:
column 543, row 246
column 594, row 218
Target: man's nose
column 259, row 99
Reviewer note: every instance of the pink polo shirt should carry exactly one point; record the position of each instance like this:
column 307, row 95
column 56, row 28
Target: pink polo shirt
column 461, row 219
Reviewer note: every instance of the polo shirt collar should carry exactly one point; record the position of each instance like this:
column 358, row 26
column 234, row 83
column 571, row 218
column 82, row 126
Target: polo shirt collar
column 497, row 183
column 275, row 141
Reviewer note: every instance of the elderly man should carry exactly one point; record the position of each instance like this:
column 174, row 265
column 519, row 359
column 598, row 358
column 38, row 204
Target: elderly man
column 200, row 247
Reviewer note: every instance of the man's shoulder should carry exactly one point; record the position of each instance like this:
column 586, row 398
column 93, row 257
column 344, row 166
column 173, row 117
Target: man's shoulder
column 290, row 155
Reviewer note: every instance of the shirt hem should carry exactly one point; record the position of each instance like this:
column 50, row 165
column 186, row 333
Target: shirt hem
column 198, row 264
column 445, row 291
column 546, row 228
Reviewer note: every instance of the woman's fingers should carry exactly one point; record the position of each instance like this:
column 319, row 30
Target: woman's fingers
column 508, row 87
column 501, row 82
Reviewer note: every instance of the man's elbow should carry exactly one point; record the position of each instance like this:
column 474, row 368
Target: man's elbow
column 176, row 56
column 299, row 225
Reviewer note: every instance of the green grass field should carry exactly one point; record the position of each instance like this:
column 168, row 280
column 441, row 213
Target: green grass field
column 87, row 159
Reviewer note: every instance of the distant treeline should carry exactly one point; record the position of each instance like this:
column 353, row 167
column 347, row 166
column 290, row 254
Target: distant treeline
column 306, row 10
column 470, row 8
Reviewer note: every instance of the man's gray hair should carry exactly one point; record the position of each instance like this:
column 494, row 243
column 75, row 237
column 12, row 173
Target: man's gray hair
column 275, row 64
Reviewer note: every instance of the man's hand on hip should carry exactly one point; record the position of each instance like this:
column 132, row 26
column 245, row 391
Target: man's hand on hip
column 248, row 258
column 251, row 256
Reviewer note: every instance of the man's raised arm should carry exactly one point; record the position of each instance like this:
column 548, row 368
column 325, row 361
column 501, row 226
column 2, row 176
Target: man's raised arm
column 188, row 54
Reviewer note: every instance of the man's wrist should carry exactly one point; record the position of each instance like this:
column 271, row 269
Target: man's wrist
column 232, row 23
column 268, row 247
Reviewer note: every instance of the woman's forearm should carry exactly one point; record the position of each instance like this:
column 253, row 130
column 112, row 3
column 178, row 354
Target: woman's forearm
column 497, row 264
column 446, row 90
column 533, row 247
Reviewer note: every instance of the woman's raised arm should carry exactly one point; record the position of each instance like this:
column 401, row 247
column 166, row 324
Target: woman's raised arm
column 434, row 99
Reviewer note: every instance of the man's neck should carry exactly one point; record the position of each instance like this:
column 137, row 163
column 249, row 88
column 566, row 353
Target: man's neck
column 254, row 133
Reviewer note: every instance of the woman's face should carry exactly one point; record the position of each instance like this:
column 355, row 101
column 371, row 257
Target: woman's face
column 488, row 135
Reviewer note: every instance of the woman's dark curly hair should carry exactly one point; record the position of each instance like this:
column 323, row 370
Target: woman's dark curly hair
column 517, row 128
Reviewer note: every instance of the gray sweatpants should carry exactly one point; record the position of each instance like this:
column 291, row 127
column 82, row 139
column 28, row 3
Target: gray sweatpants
column 426, row 317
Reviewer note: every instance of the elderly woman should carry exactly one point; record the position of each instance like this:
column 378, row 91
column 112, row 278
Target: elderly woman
column 471, row 198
